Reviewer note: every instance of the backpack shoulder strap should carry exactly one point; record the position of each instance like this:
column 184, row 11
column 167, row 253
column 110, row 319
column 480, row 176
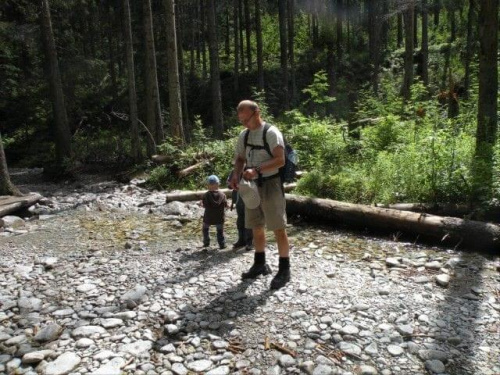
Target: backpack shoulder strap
column 264, row 139
column 245, row 139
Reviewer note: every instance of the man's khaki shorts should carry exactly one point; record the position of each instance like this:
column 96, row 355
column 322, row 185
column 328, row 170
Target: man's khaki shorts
column 271, row 212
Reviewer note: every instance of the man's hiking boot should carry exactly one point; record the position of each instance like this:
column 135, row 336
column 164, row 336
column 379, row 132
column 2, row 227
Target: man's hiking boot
column 238, row 244
column 256, row 270
column 280, row 280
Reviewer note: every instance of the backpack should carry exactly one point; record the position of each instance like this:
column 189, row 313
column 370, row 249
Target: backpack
column 287, row 172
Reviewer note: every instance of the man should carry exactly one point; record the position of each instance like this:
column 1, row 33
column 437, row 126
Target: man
column 256, row 164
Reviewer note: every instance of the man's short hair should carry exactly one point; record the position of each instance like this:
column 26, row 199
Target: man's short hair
column 248, row 104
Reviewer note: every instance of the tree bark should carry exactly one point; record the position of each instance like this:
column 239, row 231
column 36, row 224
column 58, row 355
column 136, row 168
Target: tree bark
column 291, row 50
column 408, row 60
column 242, row 43
column 260, row 56
column 487, row 100
column 400, row 30
column 283, row 51
column 218, row 124
column 154, row 120
column 136, row 153
column 62, row 131
column 236, row 27
column 374, row 40
column 425, row 43
column 446, row 230
column 469, row 46
column 248, row 29
column 9, row 204
column 174, row 85
column 6, row 186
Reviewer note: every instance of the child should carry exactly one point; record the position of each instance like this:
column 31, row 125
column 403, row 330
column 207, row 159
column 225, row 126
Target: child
column 214, row 202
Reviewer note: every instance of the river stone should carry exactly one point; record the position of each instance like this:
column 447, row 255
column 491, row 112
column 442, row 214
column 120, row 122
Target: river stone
column 113, row 367
column 27, row 304
column 49, row 333
column 405, row 329
column 33, row 357
column 87, row 331
column 350, row 348
column 179, row 369
column 134, row 296
column 395, row 350
column 200, row 365
column 349, row 330
column 13, row 222
column 430, row 354
column 221, row 370
column 392, row 262
column 367, row 370
column 435, row 366
column 286, row 361
column 323, row 370
column 443, row 280
column 64, row 364
column 138, row 348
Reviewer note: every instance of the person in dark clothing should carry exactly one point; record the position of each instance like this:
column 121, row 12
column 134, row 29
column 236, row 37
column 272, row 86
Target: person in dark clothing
column 245, row 235
column 215, row 203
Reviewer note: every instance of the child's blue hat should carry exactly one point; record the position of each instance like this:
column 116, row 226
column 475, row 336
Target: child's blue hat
column 213, row 180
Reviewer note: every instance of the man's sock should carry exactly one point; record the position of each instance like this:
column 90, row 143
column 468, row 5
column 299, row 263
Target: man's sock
column 260, row 258
column 284, row 264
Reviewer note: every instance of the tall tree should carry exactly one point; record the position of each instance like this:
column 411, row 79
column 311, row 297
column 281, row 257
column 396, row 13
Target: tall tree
column 469, row 46
column 248, row 28
column 135, row 150
column 174, row 86
column 236, row 27
column 487, row 115
column 375, row 28
column 62, row 131
column 154, row 120
column 6, row 186
column 291, row 48
column 408, row 60
column 425, row 43
column 282, row 5
column 260, row 55
column 218, row 124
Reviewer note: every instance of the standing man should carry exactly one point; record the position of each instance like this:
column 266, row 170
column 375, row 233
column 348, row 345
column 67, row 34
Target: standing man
column 254, row 161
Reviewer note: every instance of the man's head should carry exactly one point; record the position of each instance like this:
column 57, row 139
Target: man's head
column 249, row 113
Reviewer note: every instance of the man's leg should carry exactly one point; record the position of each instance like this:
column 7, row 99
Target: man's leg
column 283, row 275
column 259, row 266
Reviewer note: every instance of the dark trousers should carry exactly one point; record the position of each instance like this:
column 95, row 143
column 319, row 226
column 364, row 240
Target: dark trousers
column 244, row 235
column 220, row 234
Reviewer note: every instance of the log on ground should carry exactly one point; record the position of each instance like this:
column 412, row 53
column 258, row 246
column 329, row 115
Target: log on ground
column 10, row 203
column 452, row 231
column 186, row 196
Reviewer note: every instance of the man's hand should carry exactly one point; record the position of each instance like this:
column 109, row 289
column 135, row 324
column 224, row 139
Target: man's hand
column 250, row 174
column 233, row 183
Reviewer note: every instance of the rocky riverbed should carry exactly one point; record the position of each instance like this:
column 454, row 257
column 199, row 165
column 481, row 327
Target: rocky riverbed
column 106, row 278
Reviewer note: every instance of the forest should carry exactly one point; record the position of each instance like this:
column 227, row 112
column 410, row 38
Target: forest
column 385, row 101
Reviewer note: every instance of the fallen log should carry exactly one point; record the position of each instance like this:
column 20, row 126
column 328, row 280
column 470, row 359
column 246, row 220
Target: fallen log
column 186, row 196
column 447, row 230
column 10, row 203
column 447, row 209
column 186, row 171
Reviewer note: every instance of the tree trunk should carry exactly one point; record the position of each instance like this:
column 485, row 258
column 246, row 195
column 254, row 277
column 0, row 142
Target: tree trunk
column 400, row 30
column 236, row 27
column 487, row 100
column 415, row 27
column 218, row 124
column 227, row 35
column 136, row 153
column 6, row 186
column 10, row 204
column 408, row 74
column 445, row 230
column 185, row 126
column 248, row 28
column 374, row 40
column 469, row 47
column 437, row 11
column 283, row 51
column 425, row 43
column 291, row 49
column 242, row 44
column 153, row 106
column 260, row 56
column 340, row 20
column 111, row 54
column 174, row 86
column 203, row 16
column 62, row 131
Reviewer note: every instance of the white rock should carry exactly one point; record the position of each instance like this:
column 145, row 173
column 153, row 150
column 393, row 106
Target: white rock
column 138, row 348
column 113, row 367
column 443, row 279
column 87, row 331
column 64, row 364
column 200, row 365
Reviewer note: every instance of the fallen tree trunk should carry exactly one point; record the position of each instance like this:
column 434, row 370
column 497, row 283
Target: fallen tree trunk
column 446, row 209
column 447, row 230
column 186, row 196
column 10, row 204
column 186, row 171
